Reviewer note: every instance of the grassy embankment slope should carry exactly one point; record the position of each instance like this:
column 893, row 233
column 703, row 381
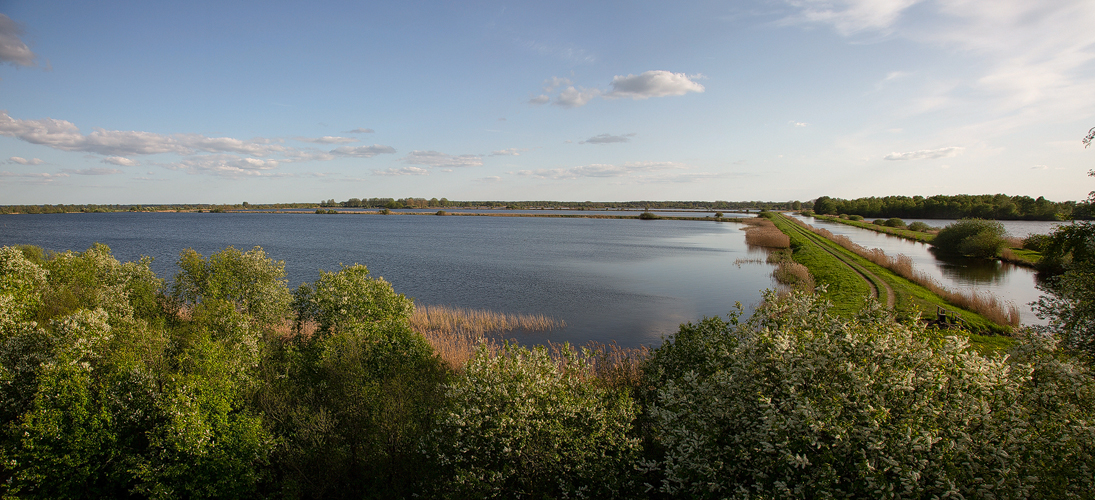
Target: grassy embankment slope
column 1014, row 254
column 850, row 279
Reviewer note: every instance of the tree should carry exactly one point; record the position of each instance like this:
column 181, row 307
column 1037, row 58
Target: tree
column 254, row 283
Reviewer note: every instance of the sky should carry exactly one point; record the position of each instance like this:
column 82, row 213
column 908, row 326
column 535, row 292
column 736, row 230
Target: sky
column 228, row 101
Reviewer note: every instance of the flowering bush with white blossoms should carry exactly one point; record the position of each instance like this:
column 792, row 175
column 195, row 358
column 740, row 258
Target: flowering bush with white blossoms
column 521, row 425
column 798, row 403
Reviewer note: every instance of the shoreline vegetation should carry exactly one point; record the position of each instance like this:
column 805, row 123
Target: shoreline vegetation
column 852, row 272
column 1015, row 253
column 226, row 384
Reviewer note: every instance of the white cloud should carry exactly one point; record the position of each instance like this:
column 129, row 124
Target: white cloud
column 363, row 151
column 442, row 160
column 226, row 166
column 94, row 171
column 849, row 17
column 1040, row 167
column 652, row 84
column 121, row 161
column 926, row 154
column 402, row 171
column 601, row 170
column 24, row 161
column 607, row 139
column 65, row 136
column 572, row 97
column 12, row 49
column 1031, row 60
column 327, row 139
column 360, row 131
column 35, row 178
column 798, row 124
column 657, row 83
column 509, row 152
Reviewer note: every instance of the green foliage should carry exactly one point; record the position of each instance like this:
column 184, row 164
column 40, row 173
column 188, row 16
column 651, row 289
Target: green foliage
column 649, row 216
column 799, row 403
column 519, row 425
column 350, row 297
column 252, row 282
column 894, row 222
column 855, row 217
column 988, row 206
column 1070, row 303
column 972, row 237
column 1036, row 242
column 919, row 226
column 351, row 408
column 21, row 285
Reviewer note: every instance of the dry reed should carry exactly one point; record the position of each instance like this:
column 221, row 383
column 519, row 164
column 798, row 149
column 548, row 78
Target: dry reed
column 794, row 275
column 984, row 304
column 763, row 233
column 445, row 318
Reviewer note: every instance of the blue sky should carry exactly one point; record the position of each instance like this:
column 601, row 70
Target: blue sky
column 224, row 102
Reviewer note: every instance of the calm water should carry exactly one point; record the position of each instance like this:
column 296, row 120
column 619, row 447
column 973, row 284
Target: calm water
column 625, row 280
column 1006, row 281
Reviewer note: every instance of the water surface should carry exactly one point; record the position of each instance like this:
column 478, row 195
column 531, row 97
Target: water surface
column 630, row 281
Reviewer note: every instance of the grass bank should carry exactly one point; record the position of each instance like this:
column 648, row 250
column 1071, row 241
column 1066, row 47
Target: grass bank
column 914, row 294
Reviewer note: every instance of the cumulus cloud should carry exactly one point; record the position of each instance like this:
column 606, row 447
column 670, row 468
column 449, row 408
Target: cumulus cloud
column 652, row 84
column 600, row 170
column 120, row 161
column 402, row 171
column 94, row 171
column 442, row 160
column 23, row 161
column 509, row 152
column 327, row 139
column 573, row 97
column 360, row 131
column 12, row 49
column 925, row 154
column 363, row 151
column 607, row 139
column 656, row 83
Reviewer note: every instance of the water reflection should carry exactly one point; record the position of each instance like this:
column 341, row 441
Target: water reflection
column 1006, row 281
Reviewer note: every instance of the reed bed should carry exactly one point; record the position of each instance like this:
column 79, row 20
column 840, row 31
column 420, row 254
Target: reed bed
column 608, row 364
column 763, row 233
column 794, row 275
column 459, row 319
column 739, row 262
column 985, row 304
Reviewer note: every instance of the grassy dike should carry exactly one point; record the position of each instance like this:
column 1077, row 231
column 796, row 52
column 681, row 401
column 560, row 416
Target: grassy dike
column 848, row 289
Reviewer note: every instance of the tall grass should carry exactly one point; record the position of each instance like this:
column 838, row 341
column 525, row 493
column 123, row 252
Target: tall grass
column 763, row 233
column 457, row 333
column 985, row 304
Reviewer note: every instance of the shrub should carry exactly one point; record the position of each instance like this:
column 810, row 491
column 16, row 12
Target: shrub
column 797, row 402
column 521, row 425
column 894, row 222
column 441, row 212
column 250, row 280
column 972, row 237
column 919, row 226
column 1036, row 242
column 807, row 213
column 648, row 216
column 347, row 297
column 879, row 222
column 855, row 217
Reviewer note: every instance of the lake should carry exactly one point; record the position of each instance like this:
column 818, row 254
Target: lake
column 629, row 281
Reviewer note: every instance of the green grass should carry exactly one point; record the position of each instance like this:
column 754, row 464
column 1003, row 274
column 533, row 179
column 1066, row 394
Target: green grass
column 844, row 287
column 904, row 233
column 910, row 299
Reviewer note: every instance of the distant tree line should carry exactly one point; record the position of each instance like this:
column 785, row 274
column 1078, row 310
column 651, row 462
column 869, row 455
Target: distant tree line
column 392, row 203
column 987, row 206
column 93, row 208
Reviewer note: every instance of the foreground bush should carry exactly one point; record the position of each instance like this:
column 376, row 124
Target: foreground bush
column 972, row 238
column 799, row 403
column 523, row 425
